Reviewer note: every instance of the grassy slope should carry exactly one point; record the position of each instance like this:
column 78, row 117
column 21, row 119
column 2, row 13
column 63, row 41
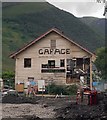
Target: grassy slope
column 13, row 39
column 26, row 21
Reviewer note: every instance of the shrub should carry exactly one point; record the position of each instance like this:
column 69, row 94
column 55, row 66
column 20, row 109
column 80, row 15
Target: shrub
column 71, row 89
column 9, row 78
column 58, row 89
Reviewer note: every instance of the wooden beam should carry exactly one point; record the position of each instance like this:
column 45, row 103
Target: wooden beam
column 91, row 81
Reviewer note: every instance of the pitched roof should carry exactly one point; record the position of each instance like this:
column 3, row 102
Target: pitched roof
column 43, row 35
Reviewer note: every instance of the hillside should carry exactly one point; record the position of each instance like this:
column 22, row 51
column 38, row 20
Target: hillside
column 23, row 22
column 97, row 24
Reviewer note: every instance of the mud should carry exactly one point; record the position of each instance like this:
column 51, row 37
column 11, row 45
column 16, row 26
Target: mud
column 84, row 112
column 42, row 108
column 19, row 99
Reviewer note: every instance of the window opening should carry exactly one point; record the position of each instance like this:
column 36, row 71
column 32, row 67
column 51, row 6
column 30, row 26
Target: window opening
column 62, row 63
column 27, row 62
column 51, row 63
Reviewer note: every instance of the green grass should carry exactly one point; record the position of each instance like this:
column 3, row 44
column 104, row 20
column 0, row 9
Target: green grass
column 12, row 41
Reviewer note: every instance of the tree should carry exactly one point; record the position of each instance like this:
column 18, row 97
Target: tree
column 101, row 61
column 8, row 78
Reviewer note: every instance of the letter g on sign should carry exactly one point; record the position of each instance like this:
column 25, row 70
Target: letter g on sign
column 40, row 51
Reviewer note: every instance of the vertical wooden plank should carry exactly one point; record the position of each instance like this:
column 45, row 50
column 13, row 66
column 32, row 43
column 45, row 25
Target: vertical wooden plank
column 91, row 81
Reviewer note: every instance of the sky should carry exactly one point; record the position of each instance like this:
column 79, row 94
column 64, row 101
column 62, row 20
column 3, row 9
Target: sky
column 78, row 8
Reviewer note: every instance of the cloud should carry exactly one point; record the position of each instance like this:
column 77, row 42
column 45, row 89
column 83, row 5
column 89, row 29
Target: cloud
column 23, row 0
column 82, row 8
column 88, row 8
column 78, row 8
column 71, row 0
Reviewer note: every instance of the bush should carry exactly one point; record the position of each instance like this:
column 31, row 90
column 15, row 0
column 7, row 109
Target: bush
column 55, row 89
column 71, row 89
column 9, row 78
column 58, row 89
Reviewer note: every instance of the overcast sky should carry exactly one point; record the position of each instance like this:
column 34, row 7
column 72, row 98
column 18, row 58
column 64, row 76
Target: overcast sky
column 81, row 8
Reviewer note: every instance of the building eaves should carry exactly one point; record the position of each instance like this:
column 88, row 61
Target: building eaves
column 45, row 34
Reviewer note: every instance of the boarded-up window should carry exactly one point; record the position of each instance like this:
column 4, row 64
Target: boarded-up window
column 53, row 44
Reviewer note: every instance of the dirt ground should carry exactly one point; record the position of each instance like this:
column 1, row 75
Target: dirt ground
column 40, row 108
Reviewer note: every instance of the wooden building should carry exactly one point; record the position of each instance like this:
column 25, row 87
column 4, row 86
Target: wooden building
column 53, row 57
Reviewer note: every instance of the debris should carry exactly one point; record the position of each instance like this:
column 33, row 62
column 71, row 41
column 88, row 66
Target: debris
column 40, row 108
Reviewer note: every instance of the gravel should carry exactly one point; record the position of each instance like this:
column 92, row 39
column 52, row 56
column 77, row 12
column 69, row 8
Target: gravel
column 21, row 110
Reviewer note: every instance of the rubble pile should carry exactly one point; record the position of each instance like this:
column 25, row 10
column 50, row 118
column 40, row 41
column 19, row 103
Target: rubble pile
column 84, row 112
